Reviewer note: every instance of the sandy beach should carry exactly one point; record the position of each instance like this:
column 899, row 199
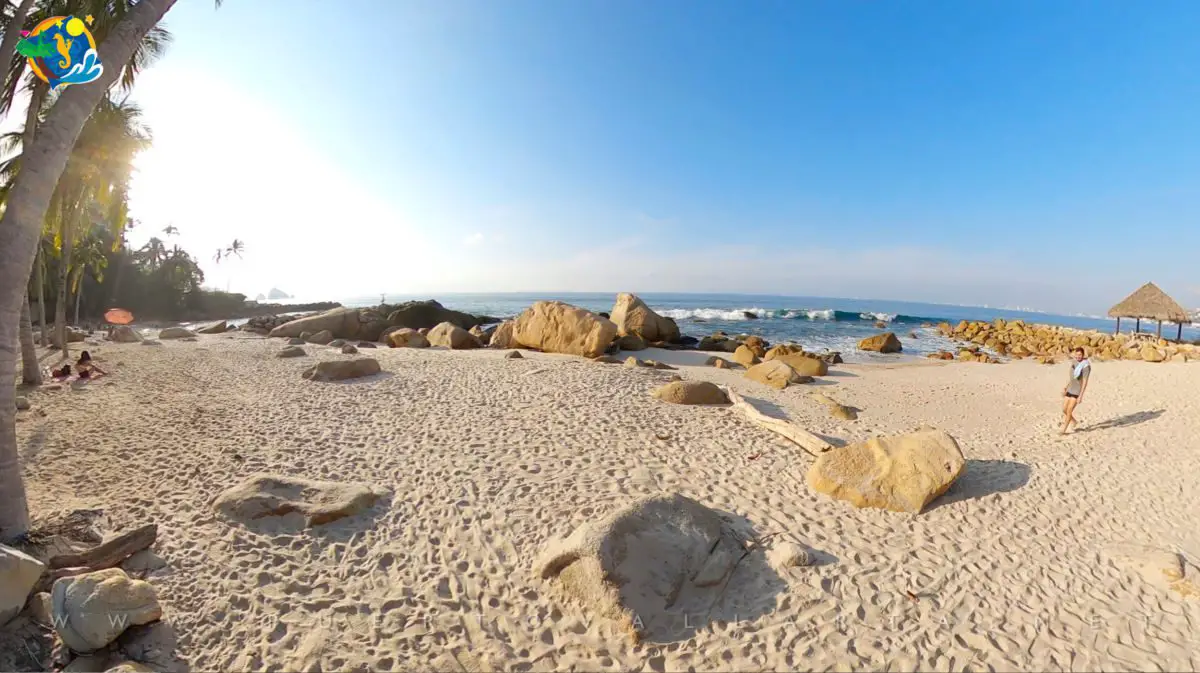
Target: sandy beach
column 485, row 459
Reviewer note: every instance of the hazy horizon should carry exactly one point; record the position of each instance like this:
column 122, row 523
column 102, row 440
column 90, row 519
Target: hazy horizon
column 958, row 154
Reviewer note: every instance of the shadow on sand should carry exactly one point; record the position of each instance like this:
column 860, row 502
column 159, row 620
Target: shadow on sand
column 1125, row 421
column 982, row 478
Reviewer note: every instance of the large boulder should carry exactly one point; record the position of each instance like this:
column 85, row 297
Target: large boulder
column 744, row 356
column 631, row 342
column 176, row 333
column 124, row 334
column 407, row 337
column 881, row 343
column 1150, row 353
column 775, row 374
column 804, row 364
column 450, row 335
column 691, row 392
column 216, row 328
column 342, row 323
column 429, row 313
column 645, row 564
column 272, row 495
column 902, row 473
column 19, row 572
column 89, row 611
column 555, row 327
column 503, row 337
column 632, row 316
column 73, row 336
column 340, row 370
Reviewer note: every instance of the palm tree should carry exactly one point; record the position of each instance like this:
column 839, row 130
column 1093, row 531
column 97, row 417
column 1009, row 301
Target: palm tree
column 29, row 198
column 153, row 253
column 149, row 48
column 94, row 186
column 89, row 259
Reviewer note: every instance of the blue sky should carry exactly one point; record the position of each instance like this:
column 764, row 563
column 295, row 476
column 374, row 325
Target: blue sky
column 1005, row 153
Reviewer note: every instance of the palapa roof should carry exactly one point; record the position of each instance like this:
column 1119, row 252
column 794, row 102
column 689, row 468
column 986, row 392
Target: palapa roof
column 1152, row 303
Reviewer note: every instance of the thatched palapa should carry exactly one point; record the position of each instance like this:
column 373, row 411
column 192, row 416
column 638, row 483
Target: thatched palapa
column 1151, row 303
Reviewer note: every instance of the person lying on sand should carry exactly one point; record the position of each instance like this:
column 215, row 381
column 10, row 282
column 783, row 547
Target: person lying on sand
column 1081, row 369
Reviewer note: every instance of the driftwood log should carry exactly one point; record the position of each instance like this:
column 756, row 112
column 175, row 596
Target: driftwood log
column 806, row 440
column 109, row 554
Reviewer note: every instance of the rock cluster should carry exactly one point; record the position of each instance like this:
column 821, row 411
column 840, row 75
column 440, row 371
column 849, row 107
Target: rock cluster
column 1018, row 340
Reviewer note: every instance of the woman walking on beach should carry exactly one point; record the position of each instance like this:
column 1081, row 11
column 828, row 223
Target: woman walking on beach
column 1081, row 369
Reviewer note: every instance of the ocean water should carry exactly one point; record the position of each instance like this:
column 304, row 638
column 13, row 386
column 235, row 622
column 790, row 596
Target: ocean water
column 817, row 323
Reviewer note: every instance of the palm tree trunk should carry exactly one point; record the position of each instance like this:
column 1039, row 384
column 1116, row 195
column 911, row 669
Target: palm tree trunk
column 42, row 164
column 78, row 294
column 31, row 370
column 9, row 45
column 27, row 136
column 64, row 278
column 41, row 290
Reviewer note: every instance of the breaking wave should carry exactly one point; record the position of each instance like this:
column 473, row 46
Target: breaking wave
column 740, row 314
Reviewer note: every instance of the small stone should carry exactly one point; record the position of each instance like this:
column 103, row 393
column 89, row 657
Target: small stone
column 291, row 352
column 513, row 355
column 296, row 341
column 367, row 344
column 340, row 370
column 787, row 554
column 337, row 343
column 23, row 403
column 349, row 349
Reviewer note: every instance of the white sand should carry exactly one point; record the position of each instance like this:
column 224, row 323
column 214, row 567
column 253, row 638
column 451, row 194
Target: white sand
column 488, row 459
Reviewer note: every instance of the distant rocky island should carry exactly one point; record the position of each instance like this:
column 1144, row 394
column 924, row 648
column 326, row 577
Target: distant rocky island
column 274, row 295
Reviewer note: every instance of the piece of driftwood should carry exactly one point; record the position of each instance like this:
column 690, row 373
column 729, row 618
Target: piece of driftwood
column 110, row 553
column 806, row 440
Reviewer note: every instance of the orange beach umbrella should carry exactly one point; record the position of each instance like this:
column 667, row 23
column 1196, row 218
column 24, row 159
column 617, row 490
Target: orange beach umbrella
column 118, row 316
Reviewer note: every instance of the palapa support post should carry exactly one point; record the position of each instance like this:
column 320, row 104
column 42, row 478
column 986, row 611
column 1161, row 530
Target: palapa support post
column 1159, row 329
column 1179, row 335
column 1118, row 325
column 1138, row 328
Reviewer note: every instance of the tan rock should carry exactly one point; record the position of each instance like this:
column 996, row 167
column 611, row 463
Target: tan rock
column 755, row 344
column 175, row 333
column 341, row 370
column 343, row 323
column 775, row 374
column 291, row 352
column 91, row 610
column 781, row 349
column 610, row 360
column 271, row 495
column 804, row 364
column 449, row 335
column 321, row 338
column 407, row 337
column 902, row 473
column 744, row 356
column 631, row 316
column 786, row 554
column 555, row 327
column 718, row 362
column 215, row 328
column 881, row 343
column 513, row 355
column 631, row 342
column 125, row 334
column 503, row 336
column 130, row 667
column 691, row 392
column 1150, row 353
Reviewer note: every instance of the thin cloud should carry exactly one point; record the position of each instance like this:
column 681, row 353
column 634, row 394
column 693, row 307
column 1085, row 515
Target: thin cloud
column 474, row 239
